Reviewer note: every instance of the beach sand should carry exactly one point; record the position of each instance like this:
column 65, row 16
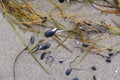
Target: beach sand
column 28, row 69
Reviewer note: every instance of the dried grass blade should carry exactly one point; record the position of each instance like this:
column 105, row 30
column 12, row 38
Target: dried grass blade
column 28, row 48
column 61, row 44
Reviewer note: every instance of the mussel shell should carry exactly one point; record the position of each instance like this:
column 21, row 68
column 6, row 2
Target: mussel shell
column 68, row 71
column 50, row 33
column 42, row 47
column 100, row 28
column 43, row 55
column 108, row 60
column 75, row 78
column 32, row 39
column 61, row 1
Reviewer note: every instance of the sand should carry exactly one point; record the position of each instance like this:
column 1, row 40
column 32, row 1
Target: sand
column 28, row 69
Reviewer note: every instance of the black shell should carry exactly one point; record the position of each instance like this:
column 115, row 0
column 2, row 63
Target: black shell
column 108, row 60
column 93, row 68
column 50, row 33
column 32, row 39
column 75, row 78
column 85, row 45
column 110, row 54
column 60, row 61
column 61, row 1
column 68, row 71
column 43, row 55
column 42, row 47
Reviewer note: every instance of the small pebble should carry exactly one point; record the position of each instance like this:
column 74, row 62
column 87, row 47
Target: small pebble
column 50, row 33
column 93, row 68
column 68, row 71
column 108, row 60
column 116, row 71
column 75, row 78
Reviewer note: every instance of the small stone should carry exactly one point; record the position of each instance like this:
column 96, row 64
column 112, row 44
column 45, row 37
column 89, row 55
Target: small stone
column 116, row 71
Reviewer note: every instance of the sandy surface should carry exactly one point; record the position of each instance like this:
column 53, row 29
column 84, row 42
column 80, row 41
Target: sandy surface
column 28, row 69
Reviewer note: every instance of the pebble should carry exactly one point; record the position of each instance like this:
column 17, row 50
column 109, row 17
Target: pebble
column 116, row 71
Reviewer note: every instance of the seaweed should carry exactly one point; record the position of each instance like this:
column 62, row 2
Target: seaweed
column 21, row 15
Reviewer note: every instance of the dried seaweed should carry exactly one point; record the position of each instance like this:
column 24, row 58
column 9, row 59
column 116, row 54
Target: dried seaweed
column 25, row 17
